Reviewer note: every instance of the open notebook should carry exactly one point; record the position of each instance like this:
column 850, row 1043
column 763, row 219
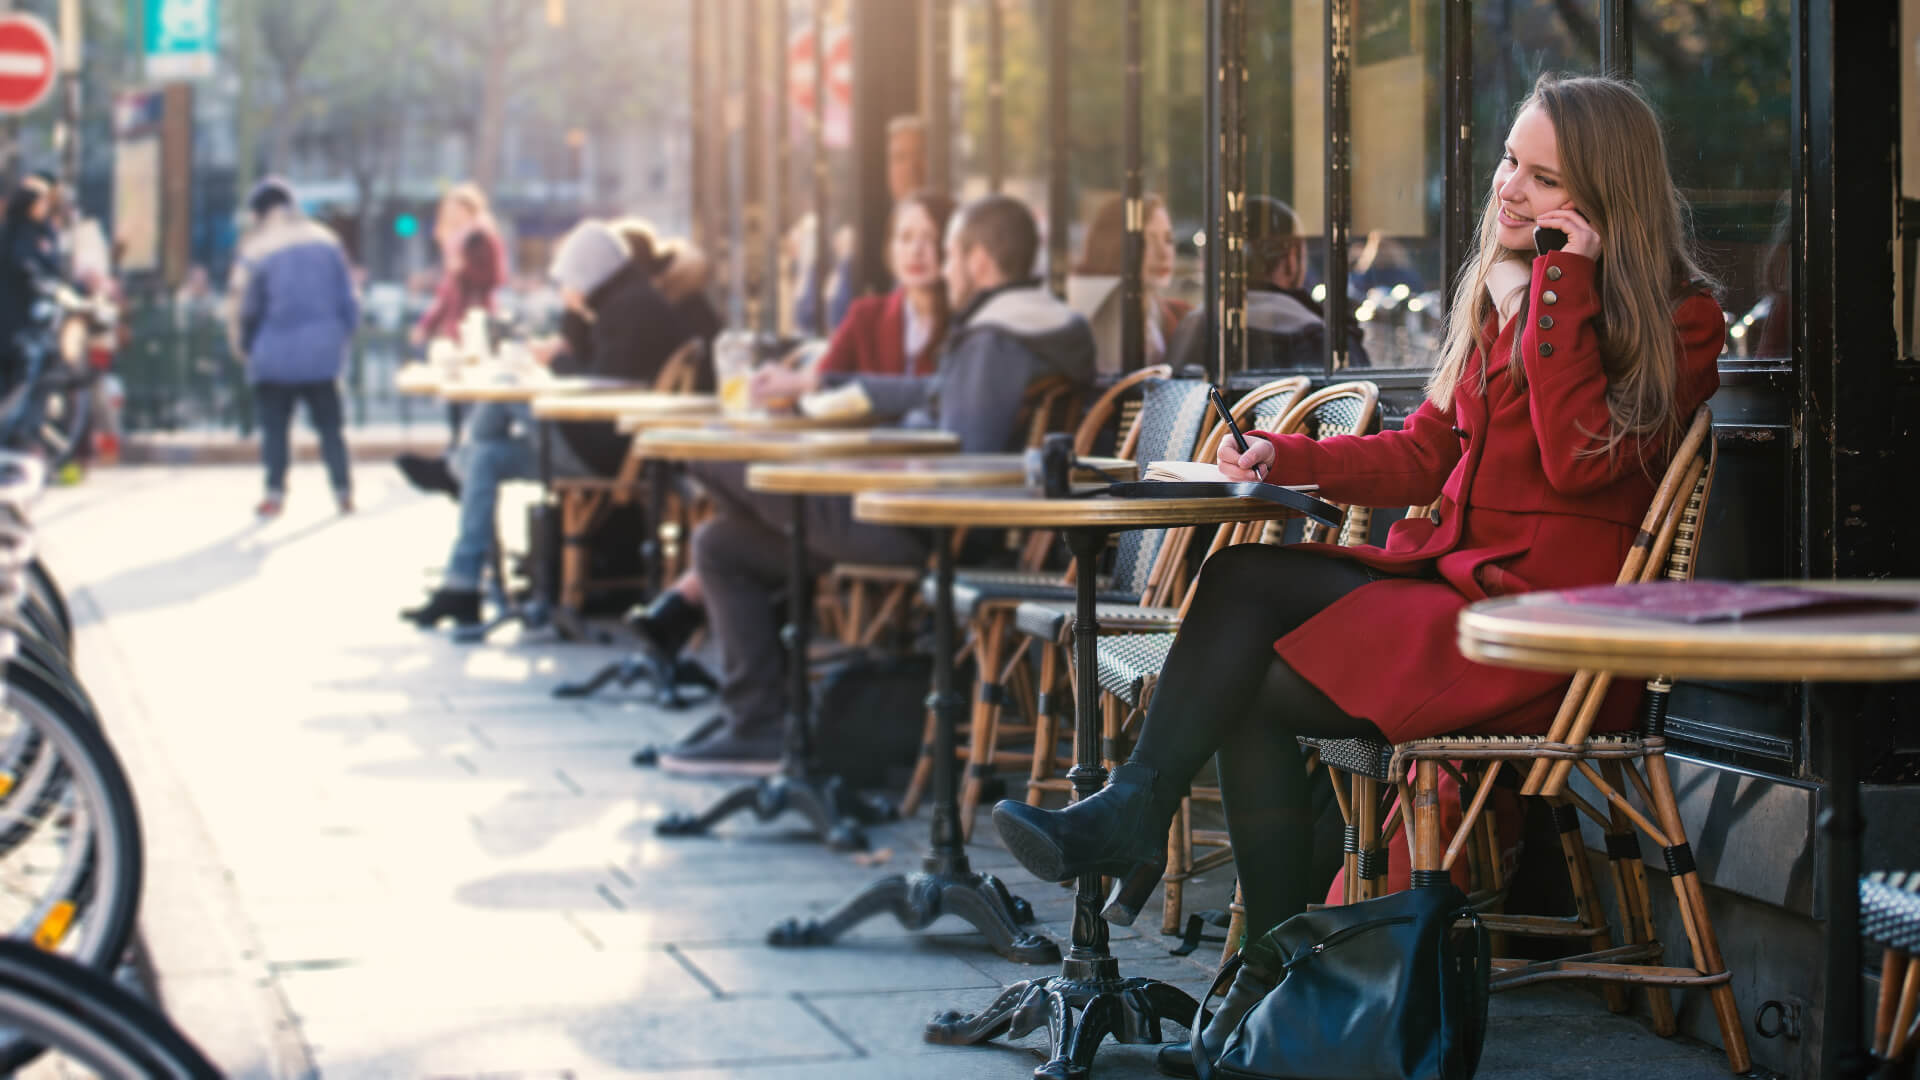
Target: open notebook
column 1199, row 472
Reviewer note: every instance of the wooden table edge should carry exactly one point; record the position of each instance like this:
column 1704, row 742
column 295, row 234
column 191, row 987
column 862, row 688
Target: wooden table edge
column 788, row 477
column 1636, row 664
column 882, row 508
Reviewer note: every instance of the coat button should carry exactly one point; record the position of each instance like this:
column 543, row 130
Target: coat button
column 1546, row 322
column 1546, row 349
column 1553, row 273
column 1549, row 297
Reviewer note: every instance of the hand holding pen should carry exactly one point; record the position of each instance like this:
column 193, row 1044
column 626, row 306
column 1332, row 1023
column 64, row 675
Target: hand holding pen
column 1237, row 459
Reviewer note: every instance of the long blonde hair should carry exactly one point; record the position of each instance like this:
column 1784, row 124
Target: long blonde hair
column 1613, row 162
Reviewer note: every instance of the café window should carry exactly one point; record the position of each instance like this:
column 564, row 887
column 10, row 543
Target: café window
column 1906, row 267
column 1395, row 265
column 1173, row 93
column 1701, row 63
column 1285, row 174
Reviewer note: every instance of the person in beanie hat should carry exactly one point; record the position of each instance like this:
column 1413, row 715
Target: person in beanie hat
column 292, row 320
column 616, row 324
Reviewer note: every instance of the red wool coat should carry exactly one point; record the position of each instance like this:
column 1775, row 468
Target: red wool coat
column 872, row 340
column 1520, row 509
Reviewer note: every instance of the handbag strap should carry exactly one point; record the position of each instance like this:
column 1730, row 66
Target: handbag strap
column 1196, row 1035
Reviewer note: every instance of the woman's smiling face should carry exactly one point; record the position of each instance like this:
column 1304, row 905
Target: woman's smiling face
column 1528, row 182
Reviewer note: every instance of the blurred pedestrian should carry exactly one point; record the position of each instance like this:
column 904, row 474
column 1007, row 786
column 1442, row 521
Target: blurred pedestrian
column 464, row 283
column 293, row 316
column 29, row 264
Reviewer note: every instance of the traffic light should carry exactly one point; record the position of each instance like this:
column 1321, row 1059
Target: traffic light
column 406, row 226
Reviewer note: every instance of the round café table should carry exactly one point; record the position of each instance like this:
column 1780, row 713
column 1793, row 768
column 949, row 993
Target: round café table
column 610, row 406
column 1088, row 1000
column 638, row 421
column 946, row 883
column 417, row 380
column 836, row 812
column 1836, row 652
column 520, row 389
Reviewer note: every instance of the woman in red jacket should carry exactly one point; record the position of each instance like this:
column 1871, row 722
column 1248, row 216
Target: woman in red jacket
column 896, row 334
column 1563, row 380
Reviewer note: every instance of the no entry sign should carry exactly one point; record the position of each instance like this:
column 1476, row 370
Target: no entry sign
column 27, row 65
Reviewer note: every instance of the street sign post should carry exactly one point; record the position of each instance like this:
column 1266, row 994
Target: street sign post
column 182, row 38
column 28, row 63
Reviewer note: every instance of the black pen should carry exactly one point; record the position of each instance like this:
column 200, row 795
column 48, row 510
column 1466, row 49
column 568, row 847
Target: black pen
column 1239, row 440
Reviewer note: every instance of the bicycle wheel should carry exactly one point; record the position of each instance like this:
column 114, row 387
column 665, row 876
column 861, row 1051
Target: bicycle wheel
column 45, row 591
column 59, row 423
column 71, row 884
column 83, row 1016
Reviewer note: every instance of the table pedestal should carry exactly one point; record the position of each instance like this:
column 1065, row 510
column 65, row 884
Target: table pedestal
column 1088, row 1001
column 835, row 811
column 946, row 883
column 667, row 677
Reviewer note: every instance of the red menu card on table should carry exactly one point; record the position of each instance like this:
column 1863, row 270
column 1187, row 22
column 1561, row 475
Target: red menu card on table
column 1725, row 601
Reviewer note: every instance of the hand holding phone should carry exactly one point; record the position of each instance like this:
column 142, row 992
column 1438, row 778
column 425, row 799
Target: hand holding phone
column 1566, row 229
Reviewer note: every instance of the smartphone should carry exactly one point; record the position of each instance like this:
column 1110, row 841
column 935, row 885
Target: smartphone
column 1547, row 239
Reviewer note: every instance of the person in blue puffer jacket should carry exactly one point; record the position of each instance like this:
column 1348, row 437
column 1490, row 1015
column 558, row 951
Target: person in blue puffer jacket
column 293, row 316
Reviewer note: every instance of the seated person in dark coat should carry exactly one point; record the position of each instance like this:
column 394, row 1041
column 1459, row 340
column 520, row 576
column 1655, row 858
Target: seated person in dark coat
column 1285, row 325
column 618, row 323
column 1008, row 331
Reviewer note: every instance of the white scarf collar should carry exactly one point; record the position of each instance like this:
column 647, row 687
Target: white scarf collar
column 1507, row 284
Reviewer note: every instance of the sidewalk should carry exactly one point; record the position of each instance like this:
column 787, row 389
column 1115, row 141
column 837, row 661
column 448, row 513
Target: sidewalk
column 374, row 853
column 368, row 442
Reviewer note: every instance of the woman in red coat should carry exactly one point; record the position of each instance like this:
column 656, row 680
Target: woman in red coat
column 897, row 334
column 1563, row 380
column 900, row 333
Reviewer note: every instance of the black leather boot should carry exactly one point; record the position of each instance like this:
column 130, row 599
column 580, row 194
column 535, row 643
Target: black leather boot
column 1119, row 832
column 460, row 605
column 429, row 474
column 1249, row 986
column 665, row 625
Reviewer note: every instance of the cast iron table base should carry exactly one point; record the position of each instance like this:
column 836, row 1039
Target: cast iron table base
column 946, row 884
column 667, row 679
column 638, row 667
column 829, row 804
column 1088, row 1001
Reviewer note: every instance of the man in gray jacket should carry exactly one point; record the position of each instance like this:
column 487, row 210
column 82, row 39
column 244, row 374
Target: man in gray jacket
column 1008, row 332
column 293, row 314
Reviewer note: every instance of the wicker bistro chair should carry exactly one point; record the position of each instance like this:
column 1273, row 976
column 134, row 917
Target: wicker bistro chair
column 1890, row 915
column 1050, row 622
column 585, row 501
column 1130, row 663
column 1116, row 404
column 1616, row 765
column 1172, row 414
column 862, row 601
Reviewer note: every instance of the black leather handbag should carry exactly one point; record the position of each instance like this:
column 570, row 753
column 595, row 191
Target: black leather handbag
column 1387, row 989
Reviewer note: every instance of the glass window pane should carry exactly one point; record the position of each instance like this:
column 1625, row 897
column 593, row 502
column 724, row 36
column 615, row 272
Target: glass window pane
column 1286, row 174
column 1703, row 63
column 1174, row 76
column 1399, row 191
column 1513, row 42
column 1173, row 93
column 1906, row 268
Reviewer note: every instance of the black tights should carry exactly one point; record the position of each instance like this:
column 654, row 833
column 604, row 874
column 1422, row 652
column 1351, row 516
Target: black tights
column 1224, row 692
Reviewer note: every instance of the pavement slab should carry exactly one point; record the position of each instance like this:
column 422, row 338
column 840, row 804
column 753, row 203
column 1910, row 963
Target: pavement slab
column 377, row 853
